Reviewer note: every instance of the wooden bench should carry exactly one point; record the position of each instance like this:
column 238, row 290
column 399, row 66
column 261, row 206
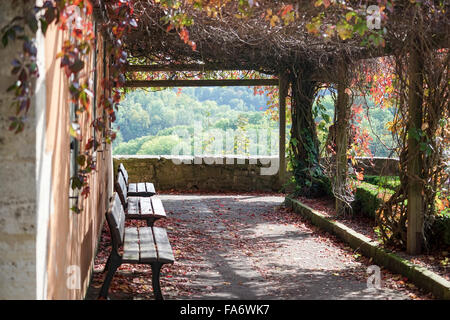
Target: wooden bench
column 140, row 208
column 138, row 189
column 141, row 245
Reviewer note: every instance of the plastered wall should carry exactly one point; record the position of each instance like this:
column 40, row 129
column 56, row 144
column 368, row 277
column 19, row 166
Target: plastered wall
column 72, row 237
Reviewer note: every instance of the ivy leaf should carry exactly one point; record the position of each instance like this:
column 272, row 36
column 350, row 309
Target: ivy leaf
column 75, row 209
column 12, row 87
column 49, row 15
column 77, row 66
column 294, row 141
column 314, row 26
column 5, row 39
column 81, row 160
column 32, row 22
column 85, row 191
column 77, row 183
column 414, row 133
column 349, row 15
column 44, row 25
column 29, row 47
column 344, row 30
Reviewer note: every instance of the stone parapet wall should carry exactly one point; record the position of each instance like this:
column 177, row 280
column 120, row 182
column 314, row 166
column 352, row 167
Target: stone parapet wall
column 379, row 166
column 203, row 173
column 223, row 173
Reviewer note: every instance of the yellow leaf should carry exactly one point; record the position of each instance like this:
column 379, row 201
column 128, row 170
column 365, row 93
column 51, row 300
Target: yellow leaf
column 344, row 33
column 274, row 20
column 349, row 15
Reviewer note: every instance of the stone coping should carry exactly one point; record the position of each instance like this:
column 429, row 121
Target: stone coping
column 125, row 156
column 170, row 157
column 420, row 276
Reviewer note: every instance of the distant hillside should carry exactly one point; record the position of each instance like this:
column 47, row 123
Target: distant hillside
column 151, row 122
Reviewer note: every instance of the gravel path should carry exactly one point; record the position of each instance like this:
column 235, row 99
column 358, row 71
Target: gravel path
column 253, row 254
column 246, row 247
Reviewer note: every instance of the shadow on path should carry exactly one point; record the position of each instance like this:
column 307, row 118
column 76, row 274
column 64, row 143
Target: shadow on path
column 246, row 247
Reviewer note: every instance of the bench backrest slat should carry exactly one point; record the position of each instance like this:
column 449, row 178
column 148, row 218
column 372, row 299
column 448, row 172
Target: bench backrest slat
column 121, row 189
column 124, row 172
column 116, row 221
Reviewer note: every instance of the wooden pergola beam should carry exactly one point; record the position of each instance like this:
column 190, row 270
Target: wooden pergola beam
column 200, row 83
column 182, row 67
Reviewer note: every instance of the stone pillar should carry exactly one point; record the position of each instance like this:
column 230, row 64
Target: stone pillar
column 18, row 182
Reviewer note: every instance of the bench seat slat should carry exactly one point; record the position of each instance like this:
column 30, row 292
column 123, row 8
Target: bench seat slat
column 150, row 188
column 164, row 249
column 146, row 206
column 148, row 250
column 141, row 189
column 131, row 245
column 133, row 205
column 158, row 208
column 132, row 188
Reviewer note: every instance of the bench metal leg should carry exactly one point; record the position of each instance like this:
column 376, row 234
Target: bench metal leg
column 156, row 271
column 150, row 222
column 114, row 262
column 108, row 262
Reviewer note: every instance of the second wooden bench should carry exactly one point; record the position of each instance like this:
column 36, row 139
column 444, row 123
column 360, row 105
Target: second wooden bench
column 140, row 208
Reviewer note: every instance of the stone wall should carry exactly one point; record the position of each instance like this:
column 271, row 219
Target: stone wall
column 379, row 166
column 189, row 173
column 234, row 174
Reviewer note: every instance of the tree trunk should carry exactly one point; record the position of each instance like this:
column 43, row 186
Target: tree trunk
column 342, row 128
column 311, row 181
column 414, row 161
column 283, row 90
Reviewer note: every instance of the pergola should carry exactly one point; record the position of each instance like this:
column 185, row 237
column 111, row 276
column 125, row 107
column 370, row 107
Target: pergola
column 292, row 56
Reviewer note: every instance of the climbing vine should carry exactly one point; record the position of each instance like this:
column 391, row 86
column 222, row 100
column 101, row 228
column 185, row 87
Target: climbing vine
column 74, row 17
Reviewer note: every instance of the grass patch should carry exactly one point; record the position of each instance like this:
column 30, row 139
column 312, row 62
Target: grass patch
column 387, row 182
column 368, row 198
